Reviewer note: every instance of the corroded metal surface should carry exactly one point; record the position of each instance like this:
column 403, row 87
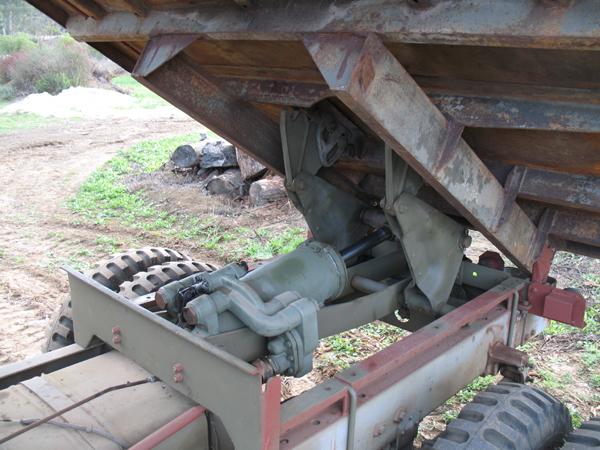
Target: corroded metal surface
column 371, row 82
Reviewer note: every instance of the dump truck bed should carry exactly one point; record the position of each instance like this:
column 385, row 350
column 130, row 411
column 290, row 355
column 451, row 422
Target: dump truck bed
column 521, row 77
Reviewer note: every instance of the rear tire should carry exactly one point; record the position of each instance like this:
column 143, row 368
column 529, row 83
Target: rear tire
column 507, row 416
column 585, row 437
column 111, row 273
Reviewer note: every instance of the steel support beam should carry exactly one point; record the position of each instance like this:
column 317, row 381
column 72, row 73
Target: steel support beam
column 372, row 83
column 477, row 111
column 194, row 90
column 479, row 22
column 481, row 111
column 566, row 190
column 400, row 385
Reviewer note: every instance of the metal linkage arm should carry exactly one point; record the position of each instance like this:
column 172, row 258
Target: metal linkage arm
column 372, row 83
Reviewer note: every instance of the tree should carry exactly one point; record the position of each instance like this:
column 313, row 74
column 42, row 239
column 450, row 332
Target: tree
column 17, row 16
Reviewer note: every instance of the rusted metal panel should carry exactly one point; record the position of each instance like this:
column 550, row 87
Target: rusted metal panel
column 478, row 22
column 371, row 82
column 198, row 93
column 479, row 111
column 566, row 190
column 573, row 152
column 522, row 113
column 89, row 8
column 288, row 93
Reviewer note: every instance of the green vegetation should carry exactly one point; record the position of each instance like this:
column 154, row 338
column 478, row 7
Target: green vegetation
column 270, row 245
column 17, row 43
column 21, row 121
column 49, row 67
column 144, row 97
column 105, row 198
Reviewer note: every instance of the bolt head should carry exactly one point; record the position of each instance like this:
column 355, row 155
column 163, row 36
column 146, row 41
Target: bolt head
column 466, row 241
column 177, row 378
column 402, row 209
column 302, row 185
column 177, row 368
column 116, row 330
column 117, row 340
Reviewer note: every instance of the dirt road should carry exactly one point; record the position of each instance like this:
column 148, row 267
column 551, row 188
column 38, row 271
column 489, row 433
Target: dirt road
column 40, row 168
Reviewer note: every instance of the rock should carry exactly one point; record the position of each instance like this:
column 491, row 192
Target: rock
column 218, row 154
column 251, row 168
column 229, row 183
column 267, row 191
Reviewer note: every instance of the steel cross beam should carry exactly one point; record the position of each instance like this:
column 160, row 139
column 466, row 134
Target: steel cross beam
column 194, row 90
column 533, row 24
column 371, row 82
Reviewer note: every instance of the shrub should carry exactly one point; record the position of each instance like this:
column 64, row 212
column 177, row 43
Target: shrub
column 6, row 93
column 51, row 67
column 18, row 43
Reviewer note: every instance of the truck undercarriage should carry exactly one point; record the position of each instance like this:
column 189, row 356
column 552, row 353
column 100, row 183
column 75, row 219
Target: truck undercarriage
column 398, row 126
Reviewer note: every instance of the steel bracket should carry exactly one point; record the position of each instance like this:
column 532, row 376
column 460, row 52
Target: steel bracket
column 512, row 363
column 557, row 304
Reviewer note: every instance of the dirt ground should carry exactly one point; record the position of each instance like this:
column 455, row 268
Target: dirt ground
column 41, row 168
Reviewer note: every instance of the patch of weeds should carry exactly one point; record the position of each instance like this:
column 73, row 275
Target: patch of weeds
column 107, row 243
column 590, row 355
column 479, row 384
column 20, row 259
column 56, row 234
column 72, row 261
column 2, row 253
column 84, row 252
column 103, row 196
column 450, row 414
column 269, row 246
column 575, row 417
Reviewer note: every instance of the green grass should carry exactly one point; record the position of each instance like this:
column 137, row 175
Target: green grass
column 269, row 245
column 9, row 122
column 144, row 97
column 103, row 196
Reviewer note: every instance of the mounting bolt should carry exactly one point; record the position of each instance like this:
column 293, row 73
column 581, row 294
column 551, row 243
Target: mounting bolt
column 301, row 185
column 177, row 368
column 388, row 208
column 290, row 358
column 117, row 340
column 465, row 241
column 534, row 290
column 402, row 209
column 288, row 344
column 379, row 429
column 116, row 330
column 177, row 378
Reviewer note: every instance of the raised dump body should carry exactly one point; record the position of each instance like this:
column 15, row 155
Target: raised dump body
column 398, row 125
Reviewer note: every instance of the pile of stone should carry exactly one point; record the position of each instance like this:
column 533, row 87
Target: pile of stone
column 223, row 170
